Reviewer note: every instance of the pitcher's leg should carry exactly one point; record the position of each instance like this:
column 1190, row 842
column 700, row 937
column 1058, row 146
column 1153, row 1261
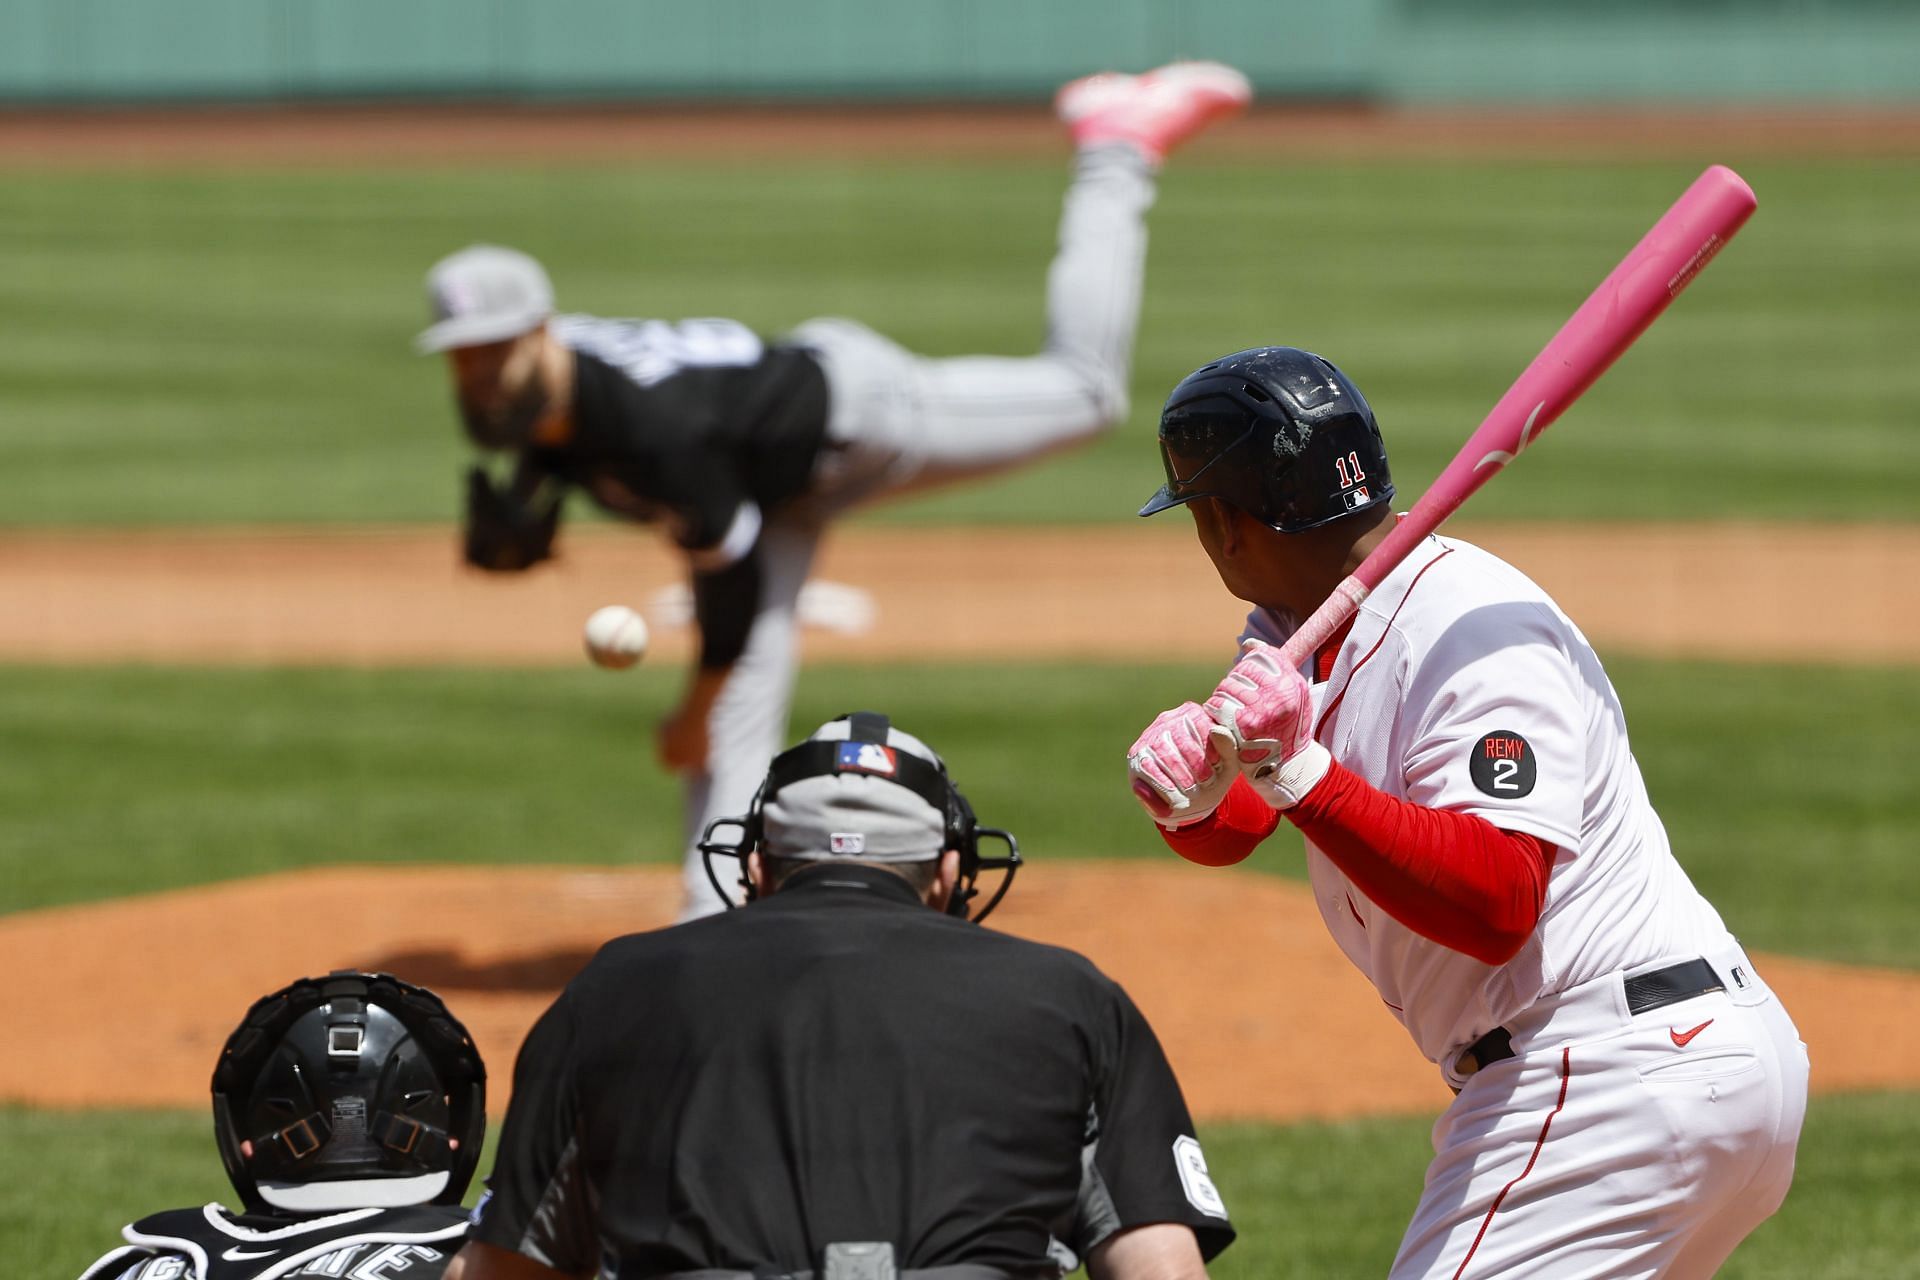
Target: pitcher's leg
column 748, row 726
column 899, row 422
column 981, row 414
column 1094, row 283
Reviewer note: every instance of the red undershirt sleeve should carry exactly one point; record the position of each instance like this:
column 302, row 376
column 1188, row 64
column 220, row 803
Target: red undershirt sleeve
column 1453, row 878
column 1229, row 833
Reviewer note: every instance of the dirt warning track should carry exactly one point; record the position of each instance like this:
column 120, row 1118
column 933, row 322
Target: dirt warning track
column 438, row 134
column 399, row 597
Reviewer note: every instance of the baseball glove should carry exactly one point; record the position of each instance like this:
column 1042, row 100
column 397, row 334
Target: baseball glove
column 504, row 533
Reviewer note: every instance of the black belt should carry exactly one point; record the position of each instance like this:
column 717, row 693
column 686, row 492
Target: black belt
column 1646, row 992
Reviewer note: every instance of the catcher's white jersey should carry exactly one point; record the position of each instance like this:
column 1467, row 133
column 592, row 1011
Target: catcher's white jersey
column 1462, row 686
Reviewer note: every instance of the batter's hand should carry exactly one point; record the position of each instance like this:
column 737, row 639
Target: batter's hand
column 1176, row 769
column 1269, row 709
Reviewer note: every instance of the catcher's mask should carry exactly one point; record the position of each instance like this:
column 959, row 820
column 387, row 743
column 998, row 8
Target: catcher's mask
column 866, row 751
column 1277, row 432
column 355, row 1090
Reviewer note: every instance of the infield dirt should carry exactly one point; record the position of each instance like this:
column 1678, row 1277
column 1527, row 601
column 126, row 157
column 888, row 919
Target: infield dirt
column 398, row 596
column 1261, row 1015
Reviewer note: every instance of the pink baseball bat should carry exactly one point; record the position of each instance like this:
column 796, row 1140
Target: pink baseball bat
column 1632, row 296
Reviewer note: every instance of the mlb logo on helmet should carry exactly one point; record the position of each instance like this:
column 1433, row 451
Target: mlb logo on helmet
column 864, row 757
column 1356, row 498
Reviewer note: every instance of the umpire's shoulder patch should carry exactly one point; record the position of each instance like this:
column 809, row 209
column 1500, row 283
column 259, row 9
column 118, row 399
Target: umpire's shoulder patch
column 1191, row 1163
column 1502, row 765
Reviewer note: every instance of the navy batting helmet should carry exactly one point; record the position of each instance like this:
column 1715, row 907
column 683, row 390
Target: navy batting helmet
column 1279, row 433
column 353, row 1090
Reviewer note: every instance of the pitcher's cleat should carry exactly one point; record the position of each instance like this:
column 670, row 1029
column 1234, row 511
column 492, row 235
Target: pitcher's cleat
column 1155, row 111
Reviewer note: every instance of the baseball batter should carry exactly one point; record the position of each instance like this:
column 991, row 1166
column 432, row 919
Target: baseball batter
column 745, row 449
column 1481, row 846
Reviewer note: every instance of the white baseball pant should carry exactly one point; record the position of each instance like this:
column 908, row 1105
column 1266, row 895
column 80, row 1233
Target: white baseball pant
column 1614, row 1145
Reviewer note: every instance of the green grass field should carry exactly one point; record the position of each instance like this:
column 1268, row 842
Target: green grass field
column 233, row 346
column 1310, row 1201
column 134, row 779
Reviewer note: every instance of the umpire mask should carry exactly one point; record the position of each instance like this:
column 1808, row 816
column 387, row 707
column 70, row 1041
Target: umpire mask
column 862, row 791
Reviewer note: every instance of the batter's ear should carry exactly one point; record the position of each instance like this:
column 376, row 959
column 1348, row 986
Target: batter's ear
column 1228, row 524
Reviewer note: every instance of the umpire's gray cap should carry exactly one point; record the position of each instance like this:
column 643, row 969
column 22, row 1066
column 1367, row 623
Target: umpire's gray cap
column 860, row 814
column 482, row 294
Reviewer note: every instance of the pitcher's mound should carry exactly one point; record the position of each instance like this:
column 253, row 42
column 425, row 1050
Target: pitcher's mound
column 130, row 1000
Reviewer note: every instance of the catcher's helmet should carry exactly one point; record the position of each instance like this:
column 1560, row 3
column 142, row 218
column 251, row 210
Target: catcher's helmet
column 864, row 747
column 354, row 1090
column 1279, row 433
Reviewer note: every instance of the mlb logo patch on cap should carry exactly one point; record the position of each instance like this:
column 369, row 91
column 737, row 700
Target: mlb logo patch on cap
column 1356, row 498
column 865, row 757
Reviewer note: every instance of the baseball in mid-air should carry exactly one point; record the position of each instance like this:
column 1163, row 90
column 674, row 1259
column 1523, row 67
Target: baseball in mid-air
column 616, row 637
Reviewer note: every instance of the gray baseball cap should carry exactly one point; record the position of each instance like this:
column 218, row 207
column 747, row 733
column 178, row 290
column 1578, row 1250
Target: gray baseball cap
column 861, row 816
column 482, row 294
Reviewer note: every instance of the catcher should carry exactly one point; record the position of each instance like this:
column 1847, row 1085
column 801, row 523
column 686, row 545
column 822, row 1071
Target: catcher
column 349, row 1111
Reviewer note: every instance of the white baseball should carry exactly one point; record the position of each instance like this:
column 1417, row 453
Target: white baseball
column 616, row 637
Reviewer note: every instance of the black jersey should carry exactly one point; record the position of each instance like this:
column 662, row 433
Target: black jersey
column 211, row 1243
column 839, row 1062
column 701, row 427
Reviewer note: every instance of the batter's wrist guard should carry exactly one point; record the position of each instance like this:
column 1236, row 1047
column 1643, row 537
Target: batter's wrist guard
column 1287, row 784
column 1192, row 816
column 1185, row 821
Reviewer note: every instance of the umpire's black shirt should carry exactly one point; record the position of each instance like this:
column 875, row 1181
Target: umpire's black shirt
column 839, row 1062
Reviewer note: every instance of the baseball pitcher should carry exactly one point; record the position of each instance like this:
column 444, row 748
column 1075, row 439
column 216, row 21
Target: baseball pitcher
column 745, row 450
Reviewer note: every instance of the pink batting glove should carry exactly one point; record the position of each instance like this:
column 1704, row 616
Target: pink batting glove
column 1175, row 770
column 1268, row 707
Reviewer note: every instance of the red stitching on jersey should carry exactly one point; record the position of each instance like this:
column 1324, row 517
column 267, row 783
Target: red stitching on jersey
column 1335, row 702
column 1566, row 1074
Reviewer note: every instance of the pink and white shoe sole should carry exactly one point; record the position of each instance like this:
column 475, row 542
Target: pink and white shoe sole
column 1155, row 111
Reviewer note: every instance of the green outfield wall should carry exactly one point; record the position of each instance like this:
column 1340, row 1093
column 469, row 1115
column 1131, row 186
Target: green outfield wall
column 77, row 51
